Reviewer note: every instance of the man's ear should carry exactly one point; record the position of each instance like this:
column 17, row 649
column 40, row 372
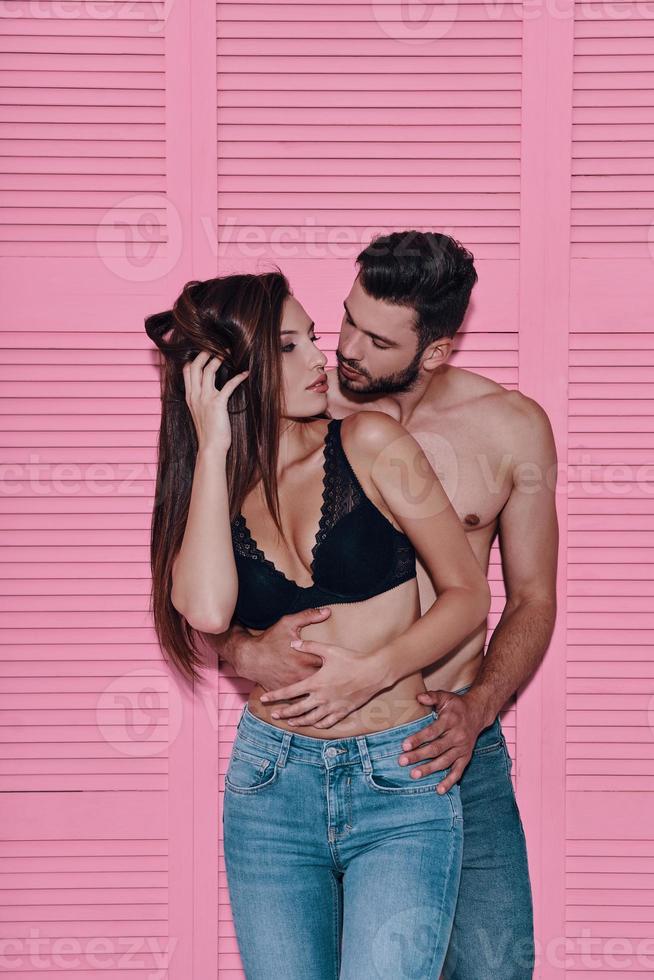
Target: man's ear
column 437, row 353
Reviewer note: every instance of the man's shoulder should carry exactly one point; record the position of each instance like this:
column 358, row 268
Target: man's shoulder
column 471, row 386
column 527, row 428
column 497, row 397
column 526, row 410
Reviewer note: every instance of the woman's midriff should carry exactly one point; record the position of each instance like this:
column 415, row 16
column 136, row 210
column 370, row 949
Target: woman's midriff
column 373, row 623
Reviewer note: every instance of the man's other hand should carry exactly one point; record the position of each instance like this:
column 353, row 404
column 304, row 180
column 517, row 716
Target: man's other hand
column 447, row 742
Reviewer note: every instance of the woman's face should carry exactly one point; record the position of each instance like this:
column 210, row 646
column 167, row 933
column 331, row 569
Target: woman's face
column 303, row 364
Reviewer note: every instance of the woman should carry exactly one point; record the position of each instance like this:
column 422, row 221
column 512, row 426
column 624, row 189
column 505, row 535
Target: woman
column 340, row 863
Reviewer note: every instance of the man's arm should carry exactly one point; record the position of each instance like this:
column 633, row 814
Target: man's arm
column 528, row 537
column 232, row 646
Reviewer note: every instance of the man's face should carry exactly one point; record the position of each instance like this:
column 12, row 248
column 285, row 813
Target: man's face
column 379, row 341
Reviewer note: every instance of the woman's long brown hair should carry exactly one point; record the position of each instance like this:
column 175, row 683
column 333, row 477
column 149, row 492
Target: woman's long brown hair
column 237, row 317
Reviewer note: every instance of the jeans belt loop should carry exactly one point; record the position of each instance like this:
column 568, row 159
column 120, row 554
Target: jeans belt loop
column 363, row 752
column 285, row 746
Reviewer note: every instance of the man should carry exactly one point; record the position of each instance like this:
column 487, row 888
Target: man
column 493, row 450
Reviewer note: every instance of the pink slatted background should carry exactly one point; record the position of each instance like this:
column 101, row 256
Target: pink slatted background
column 148, row 144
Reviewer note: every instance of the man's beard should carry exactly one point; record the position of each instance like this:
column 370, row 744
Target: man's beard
column 389, row 384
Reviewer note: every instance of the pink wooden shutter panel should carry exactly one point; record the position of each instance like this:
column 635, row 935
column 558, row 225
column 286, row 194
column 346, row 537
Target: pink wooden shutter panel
column 86, row 121
column 95, row 730
column 327, row 117
column 334, row 121
column 610, row 763
column 613, row 197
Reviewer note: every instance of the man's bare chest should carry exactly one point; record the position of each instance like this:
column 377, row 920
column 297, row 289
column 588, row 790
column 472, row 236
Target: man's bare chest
column 472, row 463
column 475, row 476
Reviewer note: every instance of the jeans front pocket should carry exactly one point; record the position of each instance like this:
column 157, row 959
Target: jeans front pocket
column 489, row 739
column 388, row 776
column 249, row 770
column 390, row 780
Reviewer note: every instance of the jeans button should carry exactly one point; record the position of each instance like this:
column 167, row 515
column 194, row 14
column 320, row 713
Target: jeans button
column 331, row 751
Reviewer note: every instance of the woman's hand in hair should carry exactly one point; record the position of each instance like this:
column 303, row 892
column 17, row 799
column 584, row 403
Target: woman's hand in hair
column 207, row 405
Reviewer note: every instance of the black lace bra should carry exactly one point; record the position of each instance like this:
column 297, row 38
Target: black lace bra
column 357, row 554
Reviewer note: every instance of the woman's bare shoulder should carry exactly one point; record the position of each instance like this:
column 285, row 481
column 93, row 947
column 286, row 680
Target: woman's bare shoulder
column 371, row 431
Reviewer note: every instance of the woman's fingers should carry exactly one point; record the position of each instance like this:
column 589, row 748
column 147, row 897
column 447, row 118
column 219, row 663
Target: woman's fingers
column 200, row 374
column 208, row 380
column 192, row 372
column 330, row 719
column 229, row 386
column 299, row 708
column 309, row 717
column 197, row 367
column 282, row 693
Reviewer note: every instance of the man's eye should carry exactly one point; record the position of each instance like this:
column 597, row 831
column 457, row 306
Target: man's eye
column 381, row 346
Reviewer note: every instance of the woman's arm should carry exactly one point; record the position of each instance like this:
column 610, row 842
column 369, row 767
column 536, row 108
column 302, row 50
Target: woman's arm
column 205, row 582
column 417, row 501
column 415, row 497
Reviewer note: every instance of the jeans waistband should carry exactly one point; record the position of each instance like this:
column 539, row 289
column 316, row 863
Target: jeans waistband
column 306, row 748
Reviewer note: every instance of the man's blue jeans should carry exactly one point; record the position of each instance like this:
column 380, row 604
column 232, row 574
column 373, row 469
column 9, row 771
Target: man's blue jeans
column 492, row 938
column 339, row 864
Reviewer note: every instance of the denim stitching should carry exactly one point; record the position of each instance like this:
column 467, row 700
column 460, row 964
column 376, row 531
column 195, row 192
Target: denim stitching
column 262, row 746
column 324, row 801
column 396, row 753
column 457, row 812
column 508, row 762
column 368, row 772
column 440, row 914
column 487, row 748
column 256, row 760
column 407, row 790
column 251, row 790
column 348, row 804
column 336, row 906
column 266, row 747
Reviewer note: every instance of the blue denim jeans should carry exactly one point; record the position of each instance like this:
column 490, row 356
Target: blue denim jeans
column 493, row 934
column 340, row 866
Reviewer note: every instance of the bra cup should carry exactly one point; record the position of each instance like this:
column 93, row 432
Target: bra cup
column 358, row 555
column 262, row 597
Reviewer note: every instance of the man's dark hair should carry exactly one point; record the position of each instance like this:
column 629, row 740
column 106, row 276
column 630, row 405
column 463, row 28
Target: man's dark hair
column 428, row 271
